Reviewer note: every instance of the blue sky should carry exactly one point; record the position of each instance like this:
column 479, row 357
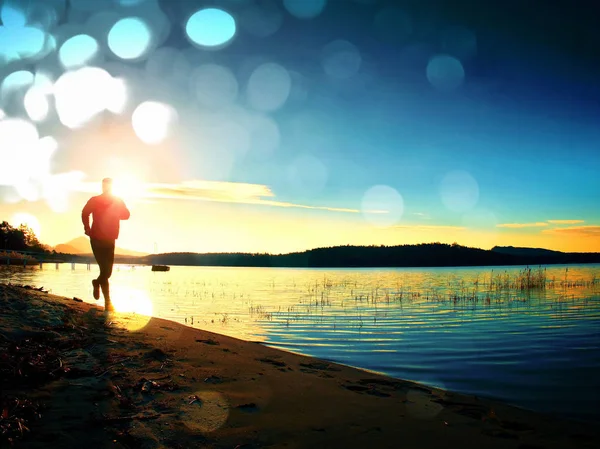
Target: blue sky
column 463, row 124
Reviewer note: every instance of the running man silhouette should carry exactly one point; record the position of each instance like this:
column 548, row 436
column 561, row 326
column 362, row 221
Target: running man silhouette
column 107, row 211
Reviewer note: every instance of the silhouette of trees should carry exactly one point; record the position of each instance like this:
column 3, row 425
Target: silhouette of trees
column 21, row 238
column 421, row 255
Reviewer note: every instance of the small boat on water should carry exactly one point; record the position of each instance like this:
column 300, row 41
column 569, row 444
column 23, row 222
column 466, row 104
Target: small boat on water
column 160, row 268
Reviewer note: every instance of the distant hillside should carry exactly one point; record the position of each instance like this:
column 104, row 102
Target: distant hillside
column 81, row 245
column 422, row 255
column 531, row 252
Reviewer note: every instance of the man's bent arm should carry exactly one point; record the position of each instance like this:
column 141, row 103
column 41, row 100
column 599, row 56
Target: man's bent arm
column 85, row 216
column 125, row 214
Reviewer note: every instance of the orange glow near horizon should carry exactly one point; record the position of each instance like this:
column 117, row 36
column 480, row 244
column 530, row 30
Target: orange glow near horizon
column 178, row 225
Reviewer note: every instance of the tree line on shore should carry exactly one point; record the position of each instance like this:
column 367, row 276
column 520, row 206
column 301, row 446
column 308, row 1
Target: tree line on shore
column 437, row 254
column 419, row 255
column 21, row 238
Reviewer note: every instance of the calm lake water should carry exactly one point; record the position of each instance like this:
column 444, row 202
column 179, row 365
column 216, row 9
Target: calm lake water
column 447, row 327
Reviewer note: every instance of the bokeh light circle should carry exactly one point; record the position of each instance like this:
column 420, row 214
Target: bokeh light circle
column 152, row 121
column 265, row 136
column 341, row 59
column 36, row 104
column 445, row 72
column 214, row 86
column 82, row 94
column 261, row 20
column 129, row 38
column 382, row 206
column 78, row 51
column 210, row 27
column 12, row 16
column 206, row 413
column 15, row 81
column 18, row 138
column 304, row 9
column 268, row 87
column 459, row 191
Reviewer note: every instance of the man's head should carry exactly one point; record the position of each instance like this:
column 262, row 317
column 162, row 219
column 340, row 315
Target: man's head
column 107, row 186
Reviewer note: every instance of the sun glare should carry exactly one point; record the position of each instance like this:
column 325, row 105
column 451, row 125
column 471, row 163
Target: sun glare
column 128, row 187
column 28, row 220
column 132, row 306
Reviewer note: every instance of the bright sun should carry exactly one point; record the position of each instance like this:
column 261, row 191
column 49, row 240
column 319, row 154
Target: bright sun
column 28, row 220
column 128, row 187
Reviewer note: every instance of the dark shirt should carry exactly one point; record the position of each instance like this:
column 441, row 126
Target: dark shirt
column 106, row 211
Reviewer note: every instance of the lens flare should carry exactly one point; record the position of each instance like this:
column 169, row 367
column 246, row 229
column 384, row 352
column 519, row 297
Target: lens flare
column 445, row 73
column 130, row 38
column 82, row 94
column 17, row 139
column 128, row 187
column 77, row 51
column 268, row 87
column 341, row 59
column 36, row 104
column 261, row 20
column 382, row 206
column 210, row 27
column 305, row 9
column 152, row 121
column 459, row 191
column 12, row 17
column 264, row 135
column 206, row 412
column 56, row 189
column 214, row 85
column 132, row 307
column 15, row 81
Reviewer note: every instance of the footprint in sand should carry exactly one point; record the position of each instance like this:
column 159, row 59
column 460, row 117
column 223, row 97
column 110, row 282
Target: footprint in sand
column 208, row 341
column 273, row 362
column 248, row 408
column 367, row 389
column 421, row 404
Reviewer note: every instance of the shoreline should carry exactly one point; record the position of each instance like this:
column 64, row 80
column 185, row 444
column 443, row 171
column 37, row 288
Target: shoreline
column 169, row 385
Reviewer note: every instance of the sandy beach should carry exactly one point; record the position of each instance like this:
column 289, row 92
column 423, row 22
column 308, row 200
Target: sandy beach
column 74, row 376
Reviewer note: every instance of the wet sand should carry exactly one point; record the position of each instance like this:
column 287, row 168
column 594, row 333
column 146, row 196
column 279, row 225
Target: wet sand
column 166, row 385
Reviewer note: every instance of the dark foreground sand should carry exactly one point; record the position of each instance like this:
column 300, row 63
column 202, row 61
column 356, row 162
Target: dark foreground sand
column 100, row 385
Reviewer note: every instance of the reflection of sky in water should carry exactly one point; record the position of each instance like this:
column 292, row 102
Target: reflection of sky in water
column 529, row 349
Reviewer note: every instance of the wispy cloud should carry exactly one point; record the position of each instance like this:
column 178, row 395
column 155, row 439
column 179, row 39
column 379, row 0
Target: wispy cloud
column 581, row 231
column 430, row 227
column 422, row 215
column 522, row 225
column 226, row 192
column 565, row 221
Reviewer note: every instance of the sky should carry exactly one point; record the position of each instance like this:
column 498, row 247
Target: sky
column 285, row 125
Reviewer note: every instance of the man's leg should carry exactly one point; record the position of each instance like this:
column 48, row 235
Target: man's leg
column 97, row 250
column 108, row 259
column 104, row 251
